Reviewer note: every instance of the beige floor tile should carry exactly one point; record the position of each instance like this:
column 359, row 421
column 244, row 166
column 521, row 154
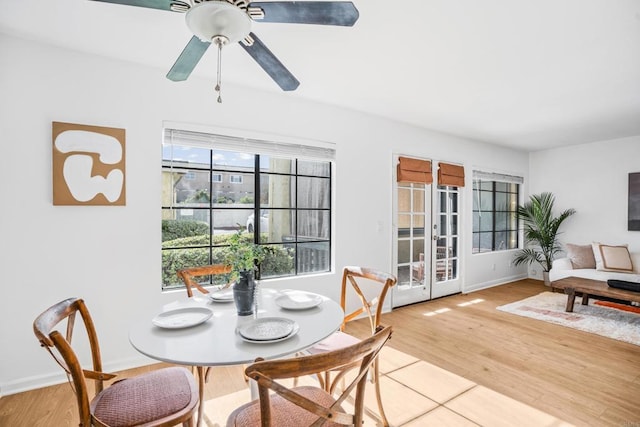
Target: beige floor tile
column 489, row 408
column 432, row 381
column 370, row 420
column 401, row 404
column 441, row 417
column 216, row 411
column 391, row 359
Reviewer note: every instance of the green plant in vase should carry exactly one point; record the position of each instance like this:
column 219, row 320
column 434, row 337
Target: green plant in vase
column 244, row 257
column 540, row 232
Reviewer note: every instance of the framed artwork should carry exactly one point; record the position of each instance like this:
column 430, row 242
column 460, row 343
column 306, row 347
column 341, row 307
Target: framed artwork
column 88, row 165
column 634, row 202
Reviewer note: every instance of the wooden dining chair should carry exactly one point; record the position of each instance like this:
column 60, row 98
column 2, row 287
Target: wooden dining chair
column 188, row 276
column 163, row 397
column 372, row 309
column 309, row 405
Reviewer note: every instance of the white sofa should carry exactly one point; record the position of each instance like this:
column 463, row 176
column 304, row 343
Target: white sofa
column 564, row 267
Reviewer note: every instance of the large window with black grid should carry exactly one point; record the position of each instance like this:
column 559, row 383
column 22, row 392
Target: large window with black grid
column 275, row 194
column 495, row 216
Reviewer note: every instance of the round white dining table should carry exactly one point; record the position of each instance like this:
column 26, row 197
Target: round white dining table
column 216, row 342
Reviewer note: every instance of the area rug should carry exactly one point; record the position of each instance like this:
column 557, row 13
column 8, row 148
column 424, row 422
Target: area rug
column 606, row 321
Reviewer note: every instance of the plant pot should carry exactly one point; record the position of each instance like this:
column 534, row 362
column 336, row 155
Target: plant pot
column 244, row 291
column 545, row 276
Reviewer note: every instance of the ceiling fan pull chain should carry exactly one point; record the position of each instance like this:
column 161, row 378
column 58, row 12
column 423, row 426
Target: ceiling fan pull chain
column 219, row 42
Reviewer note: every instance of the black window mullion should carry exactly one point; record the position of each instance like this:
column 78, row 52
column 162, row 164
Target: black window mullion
column 256, row 199
column 330, row 207
column 517, row 218
column 493, row 216
column 211, row 227
column 295, row 221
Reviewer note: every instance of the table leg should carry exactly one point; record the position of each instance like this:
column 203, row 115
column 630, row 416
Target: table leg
column 253, row 389
column 201, row 373
column 585, row 298
column 571, row 296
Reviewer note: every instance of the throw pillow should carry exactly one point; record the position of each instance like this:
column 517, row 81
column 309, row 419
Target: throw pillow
column 597, row 255
column 581, row 256
column 612, row 258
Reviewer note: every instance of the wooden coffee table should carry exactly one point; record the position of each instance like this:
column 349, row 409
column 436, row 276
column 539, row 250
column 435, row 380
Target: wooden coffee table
column 589, row 287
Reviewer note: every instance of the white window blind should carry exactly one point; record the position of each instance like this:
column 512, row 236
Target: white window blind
column 248, row 145
column 490, row 176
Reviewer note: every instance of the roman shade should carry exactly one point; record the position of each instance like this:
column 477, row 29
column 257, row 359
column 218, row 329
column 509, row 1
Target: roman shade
column 449, row 174
column 414, row 170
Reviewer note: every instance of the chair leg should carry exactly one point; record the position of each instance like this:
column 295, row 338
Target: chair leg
column 201, row 380
column 376, row 380
column 326, row 381
column 295, row 379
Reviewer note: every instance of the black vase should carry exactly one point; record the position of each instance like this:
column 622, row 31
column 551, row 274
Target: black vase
column 244, row 293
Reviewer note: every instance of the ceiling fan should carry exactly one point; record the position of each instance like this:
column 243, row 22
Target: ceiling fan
column 222, row 22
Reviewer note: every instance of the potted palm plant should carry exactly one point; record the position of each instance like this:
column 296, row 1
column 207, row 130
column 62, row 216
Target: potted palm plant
column 540, row 232
column 244, row 257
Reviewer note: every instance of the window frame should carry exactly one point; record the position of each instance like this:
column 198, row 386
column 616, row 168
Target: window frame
column 495, row 181
column 298, row 242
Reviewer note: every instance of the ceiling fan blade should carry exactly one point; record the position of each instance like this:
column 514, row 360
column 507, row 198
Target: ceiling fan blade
column 151, row 4
column 267, row 60
column 188, row 59
column 342, row 13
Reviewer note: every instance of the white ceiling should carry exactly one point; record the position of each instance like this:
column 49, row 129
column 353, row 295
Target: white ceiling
column 522, row 73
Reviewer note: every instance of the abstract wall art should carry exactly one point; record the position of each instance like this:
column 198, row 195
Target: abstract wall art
column 88, row 165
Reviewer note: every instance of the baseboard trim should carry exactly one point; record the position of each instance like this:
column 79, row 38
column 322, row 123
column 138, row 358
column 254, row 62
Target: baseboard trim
column 493, row 283
column 58, row 377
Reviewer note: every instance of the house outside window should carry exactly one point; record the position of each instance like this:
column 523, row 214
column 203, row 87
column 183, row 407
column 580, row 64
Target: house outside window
column 495, row 218
column 279, row 199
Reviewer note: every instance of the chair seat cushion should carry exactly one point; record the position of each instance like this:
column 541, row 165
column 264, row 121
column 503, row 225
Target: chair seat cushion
column 145, row 398
column 283, row 412
column 336, row 341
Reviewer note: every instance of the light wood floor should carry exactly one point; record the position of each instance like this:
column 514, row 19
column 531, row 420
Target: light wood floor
column 576, row 376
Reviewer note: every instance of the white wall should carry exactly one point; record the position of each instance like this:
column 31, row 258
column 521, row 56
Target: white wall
column 110, row 256
column 592, row 179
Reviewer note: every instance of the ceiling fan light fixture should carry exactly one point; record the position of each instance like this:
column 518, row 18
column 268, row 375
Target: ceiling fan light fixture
column 218, row 18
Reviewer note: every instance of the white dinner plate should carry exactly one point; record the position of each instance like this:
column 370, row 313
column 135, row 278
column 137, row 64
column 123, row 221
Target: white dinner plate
column 224, row 295
column 267, row 329
column 182, row 317
column 298, row 300
column 296, row 327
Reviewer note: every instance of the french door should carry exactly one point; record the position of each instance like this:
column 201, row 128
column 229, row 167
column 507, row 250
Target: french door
column 426, row 241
